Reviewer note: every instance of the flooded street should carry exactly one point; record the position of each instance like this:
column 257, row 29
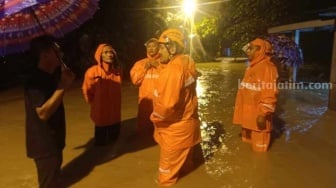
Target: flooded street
column 303, row 150
column 302, row 154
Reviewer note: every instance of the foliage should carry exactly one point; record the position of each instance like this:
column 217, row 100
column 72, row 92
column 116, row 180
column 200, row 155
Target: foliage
column 242, row 20
column 207, row 30
column 128, row 24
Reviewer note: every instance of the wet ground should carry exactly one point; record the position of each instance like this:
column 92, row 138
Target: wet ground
column 303, row 151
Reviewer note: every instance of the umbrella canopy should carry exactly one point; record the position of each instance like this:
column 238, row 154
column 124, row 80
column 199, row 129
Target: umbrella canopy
column 13, row 6
column 21, row 21
column 285, row 50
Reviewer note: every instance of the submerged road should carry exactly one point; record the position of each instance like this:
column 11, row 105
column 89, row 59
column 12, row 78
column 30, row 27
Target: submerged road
column 303, row 151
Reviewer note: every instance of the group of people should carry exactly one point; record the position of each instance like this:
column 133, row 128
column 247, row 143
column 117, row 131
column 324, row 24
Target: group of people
column 167, row 102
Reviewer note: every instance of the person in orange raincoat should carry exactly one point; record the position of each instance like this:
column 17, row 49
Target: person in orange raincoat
column 175, row 116
column 257, row 96
column 143, row 74
column 102, row 90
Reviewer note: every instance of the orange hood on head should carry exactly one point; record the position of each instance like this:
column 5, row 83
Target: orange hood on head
column 265, row 48
column 99, row 51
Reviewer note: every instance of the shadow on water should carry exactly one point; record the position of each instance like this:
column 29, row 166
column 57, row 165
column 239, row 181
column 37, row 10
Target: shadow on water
column 92, row 156
column 197, row 160
column 214, row 147
column 212, row 138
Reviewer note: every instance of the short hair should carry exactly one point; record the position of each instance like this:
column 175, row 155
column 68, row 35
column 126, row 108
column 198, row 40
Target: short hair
column 152, row 40
column 40, row 44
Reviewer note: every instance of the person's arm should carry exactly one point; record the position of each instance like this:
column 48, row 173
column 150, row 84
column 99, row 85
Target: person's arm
column 138, row 72
column 268, row 98
column 87, row 87
column 269, row 91
column 50, row 106
column 167, row 95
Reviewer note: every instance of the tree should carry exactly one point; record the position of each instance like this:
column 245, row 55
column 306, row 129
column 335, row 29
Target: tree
column 240, row 21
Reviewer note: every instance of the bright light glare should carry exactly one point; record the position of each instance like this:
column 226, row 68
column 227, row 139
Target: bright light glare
column 192, row 35
column 189, row 7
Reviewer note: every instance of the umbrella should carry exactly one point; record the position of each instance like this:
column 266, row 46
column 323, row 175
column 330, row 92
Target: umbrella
column 23, row 20
column 285, row 50
column 14, row 6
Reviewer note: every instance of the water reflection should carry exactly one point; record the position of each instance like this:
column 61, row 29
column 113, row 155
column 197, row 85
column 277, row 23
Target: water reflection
column 216, row 90
column 221, row 145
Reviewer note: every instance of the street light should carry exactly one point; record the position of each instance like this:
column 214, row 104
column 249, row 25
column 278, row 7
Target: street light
column 189, row 7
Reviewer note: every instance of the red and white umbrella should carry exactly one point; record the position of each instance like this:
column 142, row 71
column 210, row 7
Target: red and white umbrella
column 23, row 20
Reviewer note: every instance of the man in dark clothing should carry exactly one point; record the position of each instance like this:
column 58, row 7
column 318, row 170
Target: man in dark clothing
column 45, row 117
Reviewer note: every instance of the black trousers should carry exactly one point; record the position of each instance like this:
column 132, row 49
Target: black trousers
column 49, row 170
column 106, row 134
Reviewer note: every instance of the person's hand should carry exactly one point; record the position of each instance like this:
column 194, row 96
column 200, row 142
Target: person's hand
column 151, row 63
column 67, row 78
column 155, row 63
column 261, row 122
column 148, row 65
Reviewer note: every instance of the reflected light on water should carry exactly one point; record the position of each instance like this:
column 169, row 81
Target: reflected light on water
column 215, row 108
column 213, row 144
column 199, row 88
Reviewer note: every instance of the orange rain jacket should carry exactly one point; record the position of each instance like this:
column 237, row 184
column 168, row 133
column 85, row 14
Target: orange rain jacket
column 145, row 80
column 257, row 93
column 175, row 114
column 102, row 90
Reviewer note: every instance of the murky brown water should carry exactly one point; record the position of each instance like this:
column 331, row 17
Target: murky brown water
column 291, row 159
column 303, row 151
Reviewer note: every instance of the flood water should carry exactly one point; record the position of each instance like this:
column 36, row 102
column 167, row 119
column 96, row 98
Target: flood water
column 292, row 157
column 302, row 154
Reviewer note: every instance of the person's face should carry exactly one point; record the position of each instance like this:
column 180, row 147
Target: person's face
column 164, row 54
column 251, row 51
column 107, row 54
column 54, row 55
column 152, row 48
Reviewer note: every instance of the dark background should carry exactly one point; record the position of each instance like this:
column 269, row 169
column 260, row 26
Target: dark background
column 128, row 24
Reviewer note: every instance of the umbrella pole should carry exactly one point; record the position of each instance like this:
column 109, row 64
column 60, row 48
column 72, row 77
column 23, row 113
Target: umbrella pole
column 39, row 23
column 36, row 19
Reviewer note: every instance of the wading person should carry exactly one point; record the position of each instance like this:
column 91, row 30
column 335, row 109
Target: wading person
column 45, row 117
column 257, row 96
column 102, row 91
column 175, row 115
column 143, row 74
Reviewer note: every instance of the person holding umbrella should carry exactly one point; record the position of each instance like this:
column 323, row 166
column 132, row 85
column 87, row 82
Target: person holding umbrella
column 175, row 115
column 257, row 96
column 143, row 74
column 102, row 91
column 45, row 117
